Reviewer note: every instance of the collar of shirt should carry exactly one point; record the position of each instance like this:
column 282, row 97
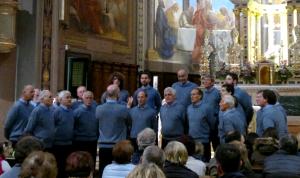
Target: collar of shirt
column 145, row 87
column 23, row 101
column 196, row 105
column 111, row 101
column 171, row 104
column 44, row 106
column 209, row 90
column 64, row 107
column 266, row 106
column 142, row 107
column 229, row 110
column 86, row 107
column 184, row 84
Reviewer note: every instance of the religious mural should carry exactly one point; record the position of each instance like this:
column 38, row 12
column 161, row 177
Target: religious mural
column 181, row 27
column 105, row 18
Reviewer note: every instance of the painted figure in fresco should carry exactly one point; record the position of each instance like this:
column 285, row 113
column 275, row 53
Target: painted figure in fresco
column 87, row 13
column 201, row 22
column 164, row 36
column 225, row 19
column 186, row 17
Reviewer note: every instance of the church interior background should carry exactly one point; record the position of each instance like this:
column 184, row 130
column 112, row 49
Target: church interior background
column 61, row 44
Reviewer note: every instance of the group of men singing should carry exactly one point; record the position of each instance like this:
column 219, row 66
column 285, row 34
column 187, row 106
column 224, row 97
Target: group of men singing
column 206, row 114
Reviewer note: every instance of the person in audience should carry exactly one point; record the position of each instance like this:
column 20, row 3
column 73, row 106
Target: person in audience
column 35, row 100
column 199, row 115
column 145, row 138
column 64, row 130
column 86, row 126
column 184, row 87
column 268, row 115
column 80, row 164
column 212, row 98
column 249, row 142
column 230, row 119
column 242, row 96
column 142, row 116
column 39, row 164
column 234, row 136
column 117, row 78
column 193, row 164
column 121, row 166
column 176, row 158
column 41, row 121
column 228, row 159
column 23, row 148
column 153, row 99
column 173, row 119
column 114, row 121
column 154, row 154
column 18, row 115
column 199, row 151
column 4, row 165
column 246, row 167
column 284, row 162
column 146, row 171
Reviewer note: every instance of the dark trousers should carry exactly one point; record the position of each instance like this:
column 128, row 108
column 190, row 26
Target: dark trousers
column 207, row 152
column 61, row 152
column 88, row 146
column 105, row 158
column 134, row 144
column 214, row 139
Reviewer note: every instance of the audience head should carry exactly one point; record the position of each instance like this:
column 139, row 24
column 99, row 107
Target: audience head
column 234, row 136
column 80, row 164
column 146, row 171
column 244, row 154
column 145, row 138
column 113, row 92
column 80, row 91
column 169, row 95
column 196, row 95
column 25, row 146
column 199, row 148
column 142, row 97
column 264, row 97
column 145, row 78
column 176, row 153
column 189, row 144
column 117, row 78
column 39, row 164
column 122, row 152
column 153, row 154
column 289, row 144
column 227, row 89
column 228, row 158
column 65, row 98
column 208, row 81
column 88, row 98
column 227, row 102
column 271, row 132
column 28, row 92
column 182, row 75
column 231, row 78
column 46, row 98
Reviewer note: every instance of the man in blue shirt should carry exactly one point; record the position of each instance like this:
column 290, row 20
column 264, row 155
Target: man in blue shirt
column 17, row 117
column 269, row 115
column 212, row 97
column 184, row 87
column 200, row 116
column 114, row 123
column 153, row 99
column 86, row 126
column 142, row 116
column 242, row 96
column 230, row 120
column 173, row 118
column 35, row 100
column 41, row 121
column 79, row 101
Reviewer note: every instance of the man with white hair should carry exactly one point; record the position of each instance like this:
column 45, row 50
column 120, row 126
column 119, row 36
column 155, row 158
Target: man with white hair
column 17, row 117
column 41, row 121
column 79, row 101
column 230, row 120
column 172, row 115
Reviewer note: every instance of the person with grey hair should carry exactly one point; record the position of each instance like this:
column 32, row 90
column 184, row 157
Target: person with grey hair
column 145, row 138
column 64, row 130
column 230, row 120
column 114, row 122
column 284, row 162
column 173, row 119
column 41, row 121
column 176, row 158
column 154, row 154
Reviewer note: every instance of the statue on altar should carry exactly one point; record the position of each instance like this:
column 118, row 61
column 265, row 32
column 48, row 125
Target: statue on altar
column 234, row 52
column 295, row 51
column 206, row 49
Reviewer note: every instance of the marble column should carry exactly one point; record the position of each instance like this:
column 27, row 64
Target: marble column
column 284, row 35
column 290, row 26
column 258, row 35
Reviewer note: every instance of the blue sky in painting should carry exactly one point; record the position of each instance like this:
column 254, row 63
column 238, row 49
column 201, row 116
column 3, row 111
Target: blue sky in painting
column 217, row 4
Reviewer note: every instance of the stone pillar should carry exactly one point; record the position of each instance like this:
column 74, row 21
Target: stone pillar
column 290, row 27
column 270, row 31
column 284, row 35
column 244, row 34
column 258, row 35
column 140, row 43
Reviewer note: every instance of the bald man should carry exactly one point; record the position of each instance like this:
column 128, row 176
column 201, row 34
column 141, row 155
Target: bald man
column 17, row 117
column 183, row 88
